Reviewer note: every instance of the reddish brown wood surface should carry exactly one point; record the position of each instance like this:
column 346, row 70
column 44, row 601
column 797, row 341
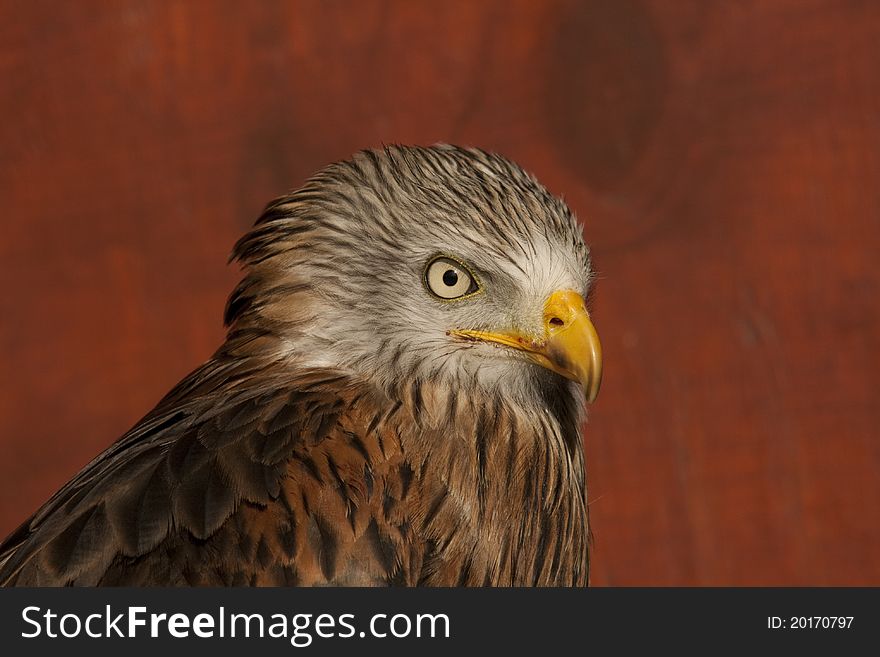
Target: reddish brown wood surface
column 725, row 158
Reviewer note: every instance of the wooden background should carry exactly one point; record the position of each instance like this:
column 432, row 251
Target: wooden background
column 725, row 157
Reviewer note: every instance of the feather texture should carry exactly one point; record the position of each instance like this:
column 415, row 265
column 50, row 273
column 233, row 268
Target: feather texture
column 296, row 456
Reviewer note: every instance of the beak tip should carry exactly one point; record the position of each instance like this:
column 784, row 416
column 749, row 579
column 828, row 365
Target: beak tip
column 591, row 391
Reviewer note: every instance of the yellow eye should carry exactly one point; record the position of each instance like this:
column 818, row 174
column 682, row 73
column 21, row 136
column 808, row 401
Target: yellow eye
column 449, row 279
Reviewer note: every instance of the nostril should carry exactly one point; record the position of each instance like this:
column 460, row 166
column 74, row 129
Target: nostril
column 555, row 321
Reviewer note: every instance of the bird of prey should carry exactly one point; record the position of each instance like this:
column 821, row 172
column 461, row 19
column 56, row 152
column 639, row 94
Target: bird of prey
column 398, row 401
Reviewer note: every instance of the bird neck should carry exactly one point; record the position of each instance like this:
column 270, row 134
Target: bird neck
column 508, row 479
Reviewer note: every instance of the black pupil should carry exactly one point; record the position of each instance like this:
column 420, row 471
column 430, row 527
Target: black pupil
column 450, row 278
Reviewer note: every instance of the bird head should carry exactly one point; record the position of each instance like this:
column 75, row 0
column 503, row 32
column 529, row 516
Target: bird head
column 437, row 264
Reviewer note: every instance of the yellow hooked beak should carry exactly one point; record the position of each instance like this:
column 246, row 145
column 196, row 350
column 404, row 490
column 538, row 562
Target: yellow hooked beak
column 570, row 345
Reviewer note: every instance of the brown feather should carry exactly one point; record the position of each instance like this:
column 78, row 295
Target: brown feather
column 258, row 470
column 265, row 490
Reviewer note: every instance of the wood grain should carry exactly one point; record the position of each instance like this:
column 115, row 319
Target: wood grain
column 723, row 156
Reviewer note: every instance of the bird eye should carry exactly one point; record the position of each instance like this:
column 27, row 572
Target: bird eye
column 449, row 279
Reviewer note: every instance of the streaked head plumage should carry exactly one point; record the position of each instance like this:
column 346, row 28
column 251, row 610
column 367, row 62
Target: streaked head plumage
column 340, row 269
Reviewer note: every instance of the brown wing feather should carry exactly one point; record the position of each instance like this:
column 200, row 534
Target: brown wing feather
column 235, row 479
